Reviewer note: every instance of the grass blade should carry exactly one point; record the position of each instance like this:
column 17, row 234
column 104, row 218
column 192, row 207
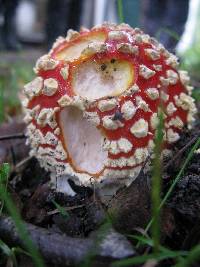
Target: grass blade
column 8, row 252
column 4, row 172
column 156, row 184
column 142, row 239
column 196, row 94
column 1, row 103
column 193, row 256
column 120, row 11
column 4, row 182
column 142, row 259
column 62, row 210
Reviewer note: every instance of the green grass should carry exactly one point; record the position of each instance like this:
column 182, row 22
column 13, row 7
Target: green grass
column 12, row 79
column 13, row 212
column 1, row 103
column 156, row 184
column 152, row 256
column 61, row 210
column 196, row 94
column 11, row 253
column 192, row 257
column 190, row 61
column 162, row 254
column 7, row 251
column 4, row 184
column 120, row 11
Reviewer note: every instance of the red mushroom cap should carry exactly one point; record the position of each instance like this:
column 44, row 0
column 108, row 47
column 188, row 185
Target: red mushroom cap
column 92, row 110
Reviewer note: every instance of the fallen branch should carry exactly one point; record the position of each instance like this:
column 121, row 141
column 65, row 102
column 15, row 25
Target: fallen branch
column 52, row 212
column 63, row 250
column 12, row 136
column 21, row 164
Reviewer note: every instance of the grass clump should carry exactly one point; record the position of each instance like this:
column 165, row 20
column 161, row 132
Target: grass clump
column 13, row 212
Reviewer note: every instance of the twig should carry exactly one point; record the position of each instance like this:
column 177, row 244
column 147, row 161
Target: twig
column 66, row 209
column 12, row 151
column 22, row 162
column 12, row 136
column 60, row 249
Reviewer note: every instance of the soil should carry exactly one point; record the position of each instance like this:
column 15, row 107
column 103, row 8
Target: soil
column 128, row 211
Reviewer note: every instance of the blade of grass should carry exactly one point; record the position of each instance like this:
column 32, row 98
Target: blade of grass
column 120, row 11
column 8, row 252
column 142, row 239
column 142, row 259
column 171, row 33
column 196, row 94
column 149, row 242
column 3, row 181
column 20, row 250
column 34, row 253
column 193, row 256
column 62, row 210
column 196, row 145
column 1, row 102
column 11, row 252
column 156, row 184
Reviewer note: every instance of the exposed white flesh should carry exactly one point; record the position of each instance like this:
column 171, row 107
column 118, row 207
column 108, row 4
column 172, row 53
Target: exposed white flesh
column 83, row 141
column 94, row 80
column 74, row 51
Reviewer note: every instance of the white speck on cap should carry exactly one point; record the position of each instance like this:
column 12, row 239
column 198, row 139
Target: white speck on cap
column 106, row 105
column 50, row 87
column 33, row 88
column 171, row 108
column 172, row 136
column 152, row 93
column 65, row 72
column 140, row 128
column 128, row 110
column 145, row 72
column 153, row 54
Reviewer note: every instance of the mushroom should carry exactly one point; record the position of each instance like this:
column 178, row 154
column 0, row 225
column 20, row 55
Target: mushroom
column 92, row 110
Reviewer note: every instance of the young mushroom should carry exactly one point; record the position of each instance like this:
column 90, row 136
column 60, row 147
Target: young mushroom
column 92, row 110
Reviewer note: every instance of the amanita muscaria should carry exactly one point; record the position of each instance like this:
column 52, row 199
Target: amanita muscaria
column 92, row 110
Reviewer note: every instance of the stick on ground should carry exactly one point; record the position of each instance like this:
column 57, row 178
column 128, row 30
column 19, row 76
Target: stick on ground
column 63, row 250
